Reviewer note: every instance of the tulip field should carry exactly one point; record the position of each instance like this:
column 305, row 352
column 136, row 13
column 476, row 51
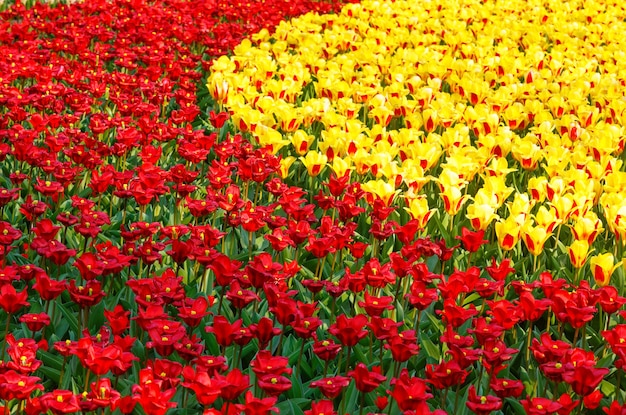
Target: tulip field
column 312, row 207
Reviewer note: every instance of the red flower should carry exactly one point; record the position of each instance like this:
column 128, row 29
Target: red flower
column 266, row 364
column 8, row 234
column 239, row 297
column 540, row 406
column 420, row 296
column 322, row 407
column 326, row 349
column 610, row 300
column 615, row 409
column 164, row 335
column 472, row 240
column 88, row 295
column 89, row 266
column 14, row 385
column 349, row 331
column 584, row 378
column 103, row 395
column 410, row 393
column 60, row 402
column 403, row 346
column 224, row 331
column 118, row 319
column 456, row 315
column 505, row 388
column 264, row 331
column 274, row 385
column 23, row 355
column 531, row 308
column 35, row 321
column 366, row 380
column 194, row 310
column 547, row 350
column 374, row 306
column 592, row 401
column 445, row 374
column 482, row 405
column 152, row 399
column 258, row 406
column 207, row 388
column 233, row 384
column 11, row 300
column 331, row 387
column 501, row 271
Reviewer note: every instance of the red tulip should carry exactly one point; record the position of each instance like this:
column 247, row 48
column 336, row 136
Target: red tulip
column 366, row 380
column 482, row 405
column 349, row 331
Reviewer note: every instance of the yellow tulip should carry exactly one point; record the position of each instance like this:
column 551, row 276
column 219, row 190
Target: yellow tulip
column 546, row 218
column 526, row 153
column 301, row 141
column 285, row 164
column 602, row 267
column 314, row 162
column 587, row 227
column 267, row 136
column 382, row 190
column 341, row 165
column 534, row 237
column 508, row 233
column 453, row 199
column 538, row 188
column 578, row 251
column 418, row 209
column 480, row 215
column 219, row 87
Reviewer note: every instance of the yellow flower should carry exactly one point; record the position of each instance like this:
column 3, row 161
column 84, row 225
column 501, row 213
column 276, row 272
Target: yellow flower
column 285, row 164
column 314, row 162
column 301, row 141
column 341, row 165
column 602, row 267
column 587, row 227
column 480, row 215
column 527, row 153
column 546, row 218
column 418, row 209
column 218, row 87
column 538, row 188
column 382, row 190
column 577, row 252
column 534, row 237
column 508, row 233
column 267, row 136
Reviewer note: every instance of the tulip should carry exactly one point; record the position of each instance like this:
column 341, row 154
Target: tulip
column 534, row 237
column 314, row 162
column 602, row 268
column 481, row 216
column 578, row 251
column 418, row 209
column 508, row 233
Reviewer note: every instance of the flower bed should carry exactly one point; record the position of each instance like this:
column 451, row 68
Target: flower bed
column 398, row 208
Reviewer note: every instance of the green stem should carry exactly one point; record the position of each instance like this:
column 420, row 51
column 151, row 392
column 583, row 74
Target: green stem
column 6, row 333
column 300, row 357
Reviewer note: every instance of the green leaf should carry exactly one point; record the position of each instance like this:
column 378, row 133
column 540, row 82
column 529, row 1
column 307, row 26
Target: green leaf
column 435, row 322
column 292, row 406
column 70, row 317
column 430, row 348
